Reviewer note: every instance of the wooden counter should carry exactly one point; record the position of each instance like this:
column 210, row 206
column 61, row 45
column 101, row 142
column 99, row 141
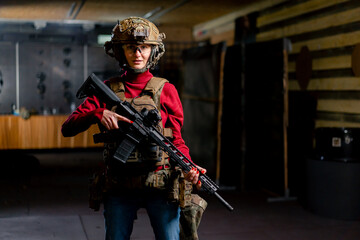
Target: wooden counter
column 41, row 132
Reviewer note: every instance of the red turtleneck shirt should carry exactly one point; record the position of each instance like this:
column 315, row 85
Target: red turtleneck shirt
column 91, row 110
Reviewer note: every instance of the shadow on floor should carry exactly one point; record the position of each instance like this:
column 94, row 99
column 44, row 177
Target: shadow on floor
column 47, row 199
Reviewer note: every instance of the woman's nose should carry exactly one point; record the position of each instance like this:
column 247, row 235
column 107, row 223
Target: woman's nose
column 136, row 50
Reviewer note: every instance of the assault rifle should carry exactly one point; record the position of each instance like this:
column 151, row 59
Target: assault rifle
column 143, row 127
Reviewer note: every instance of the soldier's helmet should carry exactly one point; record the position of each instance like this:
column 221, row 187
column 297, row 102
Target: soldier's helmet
column 135, row 30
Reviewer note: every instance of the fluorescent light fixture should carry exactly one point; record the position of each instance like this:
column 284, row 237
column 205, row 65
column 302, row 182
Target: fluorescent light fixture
column 153, row 12
column 102, row 38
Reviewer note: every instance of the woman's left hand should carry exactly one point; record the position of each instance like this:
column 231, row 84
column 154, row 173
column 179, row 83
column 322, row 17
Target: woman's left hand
column 193, row 176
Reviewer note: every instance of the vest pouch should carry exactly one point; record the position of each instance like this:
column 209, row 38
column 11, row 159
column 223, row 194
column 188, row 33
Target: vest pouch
column 174, row 185
column 134, row 157
column 185, row 189
column 146, row 152
column 150, row 152
column 158, row 179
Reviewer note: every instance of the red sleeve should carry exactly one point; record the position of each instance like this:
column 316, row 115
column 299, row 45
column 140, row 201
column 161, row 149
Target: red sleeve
column 173, row 116
column 88, row 113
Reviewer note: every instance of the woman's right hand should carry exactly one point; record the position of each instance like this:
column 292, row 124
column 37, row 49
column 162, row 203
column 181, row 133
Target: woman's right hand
column 110, row 119
column 193, row 176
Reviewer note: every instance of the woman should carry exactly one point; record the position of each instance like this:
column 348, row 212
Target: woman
column 146, row 180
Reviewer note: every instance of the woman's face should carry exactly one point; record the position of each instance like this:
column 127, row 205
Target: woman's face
column 137, row 55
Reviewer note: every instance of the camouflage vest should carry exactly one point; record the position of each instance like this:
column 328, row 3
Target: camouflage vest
column 139, row 171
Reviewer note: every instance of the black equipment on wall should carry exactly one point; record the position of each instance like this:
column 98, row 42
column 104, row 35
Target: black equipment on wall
column 8, row 85
column 41, row 74
column 1, row 81
column 48, row 75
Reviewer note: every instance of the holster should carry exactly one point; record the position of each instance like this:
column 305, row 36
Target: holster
column 96, row 190
column 158, row 179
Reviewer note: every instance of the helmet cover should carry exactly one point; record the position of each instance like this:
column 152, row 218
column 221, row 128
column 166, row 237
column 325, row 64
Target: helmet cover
column 135, row 30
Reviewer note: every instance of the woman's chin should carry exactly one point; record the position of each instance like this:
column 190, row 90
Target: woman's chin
column 137, row 67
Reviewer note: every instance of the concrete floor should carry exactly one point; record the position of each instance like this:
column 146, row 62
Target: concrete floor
column 51, row 203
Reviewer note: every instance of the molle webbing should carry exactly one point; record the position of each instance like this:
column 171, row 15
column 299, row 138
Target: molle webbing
column 153, row 88
column 149, row 98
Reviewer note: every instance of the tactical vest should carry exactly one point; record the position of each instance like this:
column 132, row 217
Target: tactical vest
column 139, row 171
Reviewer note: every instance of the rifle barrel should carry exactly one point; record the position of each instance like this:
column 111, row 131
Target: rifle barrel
column 225, row 203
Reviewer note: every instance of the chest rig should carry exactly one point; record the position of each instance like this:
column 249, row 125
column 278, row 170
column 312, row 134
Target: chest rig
column 145, row 153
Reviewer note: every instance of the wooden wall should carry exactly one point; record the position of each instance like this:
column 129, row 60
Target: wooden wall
column 41, row 132
column 324, row 34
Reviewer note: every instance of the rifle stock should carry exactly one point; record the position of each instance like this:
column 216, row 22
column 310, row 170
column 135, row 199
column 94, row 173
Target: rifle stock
column 143, row 126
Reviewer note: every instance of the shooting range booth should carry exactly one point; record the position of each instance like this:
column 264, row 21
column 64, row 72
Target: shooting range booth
column 271, row 96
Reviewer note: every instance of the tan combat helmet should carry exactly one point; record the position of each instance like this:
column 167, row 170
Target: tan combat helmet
column 139, row 31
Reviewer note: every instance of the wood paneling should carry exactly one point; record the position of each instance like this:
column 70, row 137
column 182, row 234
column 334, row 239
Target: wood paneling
column 342, row 106
column 312, row 25
column 295, row 10
column 328, row 42
column 333, row 84
column 329, row 123
column 40, row 132
column 338, row 62
column 330, row 29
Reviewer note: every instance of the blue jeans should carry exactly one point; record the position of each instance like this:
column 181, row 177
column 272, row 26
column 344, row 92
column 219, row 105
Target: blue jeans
column 120, row 213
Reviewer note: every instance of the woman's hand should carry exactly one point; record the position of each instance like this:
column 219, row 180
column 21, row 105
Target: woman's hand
column 110, row 119
column 193, row 176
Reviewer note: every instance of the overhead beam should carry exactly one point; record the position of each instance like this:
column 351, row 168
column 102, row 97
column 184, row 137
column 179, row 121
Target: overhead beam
column 153, row 12
column 167, row 10
column 71, row 10
column 79, row 8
